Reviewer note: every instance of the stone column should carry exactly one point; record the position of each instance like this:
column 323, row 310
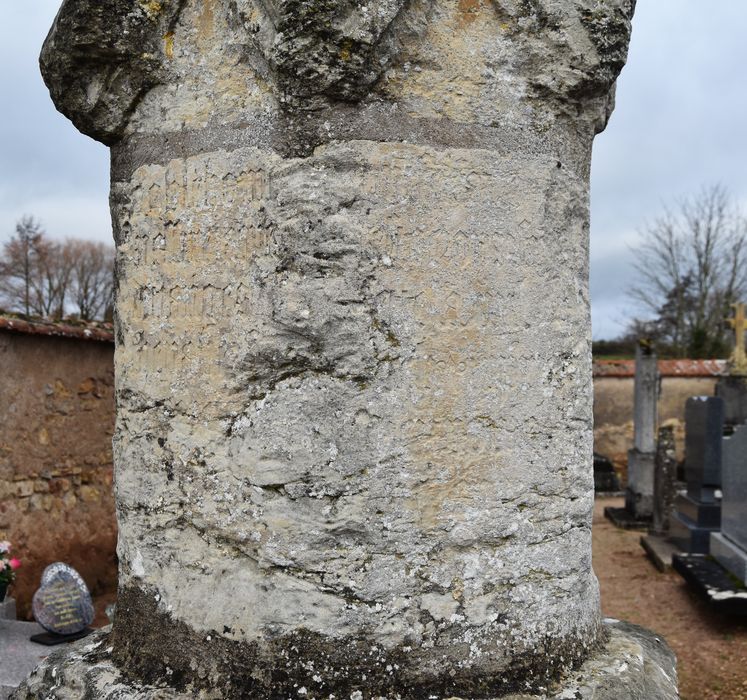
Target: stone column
column 353, row 449
column 664, row 481
column 639, row 495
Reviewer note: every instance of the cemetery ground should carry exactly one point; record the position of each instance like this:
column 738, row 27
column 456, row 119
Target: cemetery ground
column 711, row 648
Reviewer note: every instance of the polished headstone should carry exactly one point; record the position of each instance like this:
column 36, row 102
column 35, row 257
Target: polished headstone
column 63, row 604
column 734, row 487
column 704, row 428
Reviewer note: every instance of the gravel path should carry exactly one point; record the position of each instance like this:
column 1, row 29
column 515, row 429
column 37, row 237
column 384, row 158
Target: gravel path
column 711, row 648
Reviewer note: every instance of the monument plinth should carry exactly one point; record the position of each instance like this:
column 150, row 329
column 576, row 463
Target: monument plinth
column 353, row 447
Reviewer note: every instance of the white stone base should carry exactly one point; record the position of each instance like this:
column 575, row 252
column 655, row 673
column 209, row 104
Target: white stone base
column 634, row 665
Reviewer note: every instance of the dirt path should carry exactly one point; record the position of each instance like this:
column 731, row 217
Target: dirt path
column 711, row 648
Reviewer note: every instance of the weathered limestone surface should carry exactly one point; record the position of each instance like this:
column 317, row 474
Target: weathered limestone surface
column 633, row 664
column 353, row 450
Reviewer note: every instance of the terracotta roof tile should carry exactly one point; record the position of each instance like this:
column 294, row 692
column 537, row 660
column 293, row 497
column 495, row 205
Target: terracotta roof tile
column 92, row 330
column 667, row 368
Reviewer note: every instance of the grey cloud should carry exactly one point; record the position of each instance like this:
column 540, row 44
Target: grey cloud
column 679, row 124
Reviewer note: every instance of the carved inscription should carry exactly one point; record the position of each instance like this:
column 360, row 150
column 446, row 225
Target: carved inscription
column 197, row 224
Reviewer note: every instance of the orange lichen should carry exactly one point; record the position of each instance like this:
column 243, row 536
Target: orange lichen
column 168, row 44
column 468, row 10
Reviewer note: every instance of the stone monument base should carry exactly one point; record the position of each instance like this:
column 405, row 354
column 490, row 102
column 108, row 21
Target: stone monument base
column 635, row 664
column 731, row 556
column 639, row 495
column 625, row 520
column 692, row 524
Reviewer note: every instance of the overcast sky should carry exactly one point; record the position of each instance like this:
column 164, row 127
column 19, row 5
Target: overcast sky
column 679, row 124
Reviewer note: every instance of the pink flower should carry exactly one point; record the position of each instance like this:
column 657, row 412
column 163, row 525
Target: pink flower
column 15, row 564
column 3, row 565
column 4, row 547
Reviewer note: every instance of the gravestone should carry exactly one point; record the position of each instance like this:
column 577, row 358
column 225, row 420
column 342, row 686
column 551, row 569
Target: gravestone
column 665, row 475
column 639, row 492
column 698, row 512
column 656, row 543
column 729, row 546
column 639, row 495
column 353, row 447
column 62, row 604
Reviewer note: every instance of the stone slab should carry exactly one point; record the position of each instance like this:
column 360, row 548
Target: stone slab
column 635, row 664
column 660, row 551
column 702, row 514
column 8, row 609
column 622, row 518
column 690, row 537
column 730, row 555
column 18, row 654
column 712, row 582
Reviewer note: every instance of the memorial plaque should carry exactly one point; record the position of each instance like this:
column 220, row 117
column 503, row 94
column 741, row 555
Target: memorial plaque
column 63, row 604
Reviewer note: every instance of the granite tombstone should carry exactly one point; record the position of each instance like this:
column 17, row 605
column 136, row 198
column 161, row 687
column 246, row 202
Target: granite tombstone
column 698, row 512
column 729, row 546
column 63, row 604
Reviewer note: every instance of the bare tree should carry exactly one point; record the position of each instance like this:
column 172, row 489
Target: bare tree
column 47, row 278
column 18, row 264
column 691, row 266
column 51, row 279
column 92, row 277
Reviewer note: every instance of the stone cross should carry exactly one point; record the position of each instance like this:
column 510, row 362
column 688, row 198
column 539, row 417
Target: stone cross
column 353, row 447
column 739, row 323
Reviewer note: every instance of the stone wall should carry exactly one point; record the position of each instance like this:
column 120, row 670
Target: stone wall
column 613, row 403
column 56, row 500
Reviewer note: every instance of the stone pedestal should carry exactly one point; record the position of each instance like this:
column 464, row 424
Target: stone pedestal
column 693, row 523
column 639, row 495
column 631, row 664
column 353, row 446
